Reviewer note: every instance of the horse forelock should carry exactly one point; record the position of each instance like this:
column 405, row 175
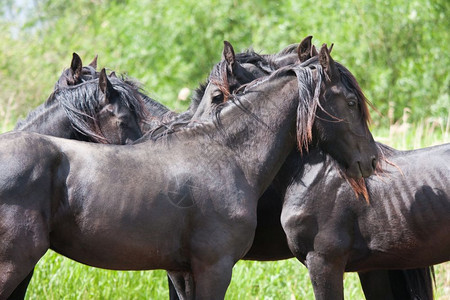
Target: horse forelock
column 81, row 104
column 352, row 84
column 132, row 97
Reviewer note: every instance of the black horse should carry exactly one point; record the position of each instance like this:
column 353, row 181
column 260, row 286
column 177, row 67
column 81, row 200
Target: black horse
column 405, row 224
column 169, row 210
column 217, row 99
column 52, row 119
column 97, row 110
column 83, row 113
column 270, row 240
column 155, row 113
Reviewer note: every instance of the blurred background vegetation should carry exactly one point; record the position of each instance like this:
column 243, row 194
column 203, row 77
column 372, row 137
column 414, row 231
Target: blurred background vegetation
column 398, row 50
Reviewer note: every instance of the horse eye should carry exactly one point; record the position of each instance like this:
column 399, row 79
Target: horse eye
column 351, row 103
column 217, row 98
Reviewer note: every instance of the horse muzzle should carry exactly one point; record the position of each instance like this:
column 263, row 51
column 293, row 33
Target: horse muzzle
column 362, row 167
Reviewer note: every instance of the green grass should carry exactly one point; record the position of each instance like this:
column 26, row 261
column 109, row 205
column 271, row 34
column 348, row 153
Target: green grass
column 57, row 277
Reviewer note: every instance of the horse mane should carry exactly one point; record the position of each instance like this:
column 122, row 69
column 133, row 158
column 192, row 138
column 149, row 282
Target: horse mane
column 65, row 81
column 82, row 102
column 308, row 89
column 219, row 77
column 248, row 56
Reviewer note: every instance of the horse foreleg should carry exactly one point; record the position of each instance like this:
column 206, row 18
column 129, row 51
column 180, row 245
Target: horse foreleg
column 24, row 240
column 212, row 280
column 181, row 285
column 327, row 276
column 21, row 289
column 15, row 275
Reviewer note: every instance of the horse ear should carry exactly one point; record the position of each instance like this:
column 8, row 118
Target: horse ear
column 113, row 75
column 314, row 51
column 328, row 64
column 76, row 66
column 304, row 49
column 105, row 86
column 94, row 62
column 228, row 54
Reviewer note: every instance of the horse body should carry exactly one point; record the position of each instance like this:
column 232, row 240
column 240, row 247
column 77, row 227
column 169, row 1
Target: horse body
column 398, row 232
column 66, row 194
column 408, row 212
column 270, row 241
column 143, row 227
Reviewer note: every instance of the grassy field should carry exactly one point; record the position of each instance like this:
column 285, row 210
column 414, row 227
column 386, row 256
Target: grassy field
column 59, row 278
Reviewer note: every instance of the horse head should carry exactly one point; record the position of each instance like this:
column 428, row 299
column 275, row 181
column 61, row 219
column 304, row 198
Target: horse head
column 116, row 121
column 229, row 75
column 341, row 118
column 337, row 122
column 110, row 118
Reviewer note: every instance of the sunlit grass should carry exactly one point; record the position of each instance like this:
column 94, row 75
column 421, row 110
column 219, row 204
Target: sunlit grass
column 403, row 134
column 57, row 277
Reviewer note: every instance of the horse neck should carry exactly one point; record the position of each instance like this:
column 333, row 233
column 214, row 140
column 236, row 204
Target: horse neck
column 157, row 114
column 48, row 118
column 155, row 108
column 260, row 129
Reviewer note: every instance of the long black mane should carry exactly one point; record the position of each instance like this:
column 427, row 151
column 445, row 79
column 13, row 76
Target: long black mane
column 307, row 89
column 83, row 101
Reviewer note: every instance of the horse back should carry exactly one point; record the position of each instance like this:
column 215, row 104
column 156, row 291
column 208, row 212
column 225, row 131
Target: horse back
column 409, row 209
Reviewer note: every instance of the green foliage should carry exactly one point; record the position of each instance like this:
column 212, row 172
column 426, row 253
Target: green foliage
column 398, row 50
